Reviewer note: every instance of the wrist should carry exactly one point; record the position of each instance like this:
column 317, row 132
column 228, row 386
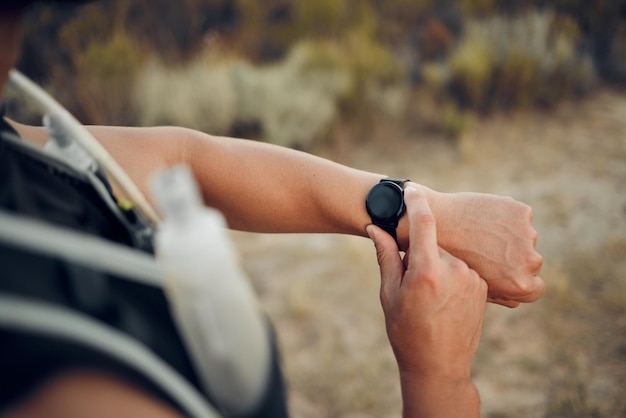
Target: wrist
column 457, row 378
column 442, row 396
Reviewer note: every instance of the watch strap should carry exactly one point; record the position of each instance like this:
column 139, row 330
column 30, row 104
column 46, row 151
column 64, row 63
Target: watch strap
column 398, row 181
column 391, row 230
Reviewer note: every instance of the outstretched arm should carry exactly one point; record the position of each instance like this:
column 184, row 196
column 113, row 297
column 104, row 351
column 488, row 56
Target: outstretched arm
column 266, row 188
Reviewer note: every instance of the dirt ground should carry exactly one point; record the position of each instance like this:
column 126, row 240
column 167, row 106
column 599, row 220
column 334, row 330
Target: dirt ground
column 321, row 291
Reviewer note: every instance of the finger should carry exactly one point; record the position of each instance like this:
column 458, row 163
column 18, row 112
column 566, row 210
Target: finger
column 422, row 227
column 537, row 287
column 535, row 263
column 389, row 260
column 534, row 237
column 529, row 216
column 481, row 285
column 503, row 302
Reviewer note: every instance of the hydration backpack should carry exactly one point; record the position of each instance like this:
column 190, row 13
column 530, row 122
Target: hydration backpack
column 79, row 288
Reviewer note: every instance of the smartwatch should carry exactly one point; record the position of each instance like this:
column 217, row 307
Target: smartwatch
column 385, row 204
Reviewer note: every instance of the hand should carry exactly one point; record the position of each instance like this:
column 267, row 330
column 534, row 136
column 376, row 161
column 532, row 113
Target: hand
column 494, row 236
column 434, row 306
column 433, row 302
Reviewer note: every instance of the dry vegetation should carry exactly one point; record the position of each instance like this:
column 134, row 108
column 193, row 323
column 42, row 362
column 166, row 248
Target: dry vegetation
column 289, row 71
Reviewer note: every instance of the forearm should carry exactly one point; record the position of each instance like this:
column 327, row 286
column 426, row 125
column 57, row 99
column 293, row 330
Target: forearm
column 425, row 396
column 265, row 188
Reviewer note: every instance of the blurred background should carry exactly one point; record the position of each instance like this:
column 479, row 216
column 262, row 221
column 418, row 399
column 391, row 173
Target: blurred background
column 525, row 98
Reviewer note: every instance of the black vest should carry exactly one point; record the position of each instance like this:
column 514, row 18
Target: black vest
column 34, row 185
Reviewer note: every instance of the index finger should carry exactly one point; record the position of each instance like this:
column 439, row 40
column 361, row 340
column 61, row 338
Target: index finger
column 422, row 225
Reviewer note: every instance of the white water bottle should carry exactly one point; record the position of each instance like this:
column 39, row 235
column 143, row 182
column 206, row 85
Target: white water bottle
column 210, row 296
column 63, row 146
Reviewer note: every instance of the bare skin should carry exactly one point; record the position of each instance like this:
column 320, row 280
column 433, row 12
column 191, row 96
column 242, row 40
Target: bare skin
column 82, row 393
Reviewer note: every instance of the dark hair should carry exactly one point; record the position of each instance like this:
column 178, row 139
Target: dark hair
column 19, row 5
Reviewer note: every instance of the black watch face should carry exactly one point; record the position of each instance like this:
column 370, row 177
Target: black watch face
column 384, row 202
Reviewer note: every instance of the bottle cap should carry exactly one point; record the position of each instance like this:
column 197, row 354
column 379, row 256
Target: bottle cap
column 175, row 192
column 54, row 124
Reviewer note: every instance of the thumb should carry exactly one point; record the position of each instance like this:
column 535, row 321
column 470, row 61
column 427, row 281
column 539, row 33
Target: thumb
column 389, row 259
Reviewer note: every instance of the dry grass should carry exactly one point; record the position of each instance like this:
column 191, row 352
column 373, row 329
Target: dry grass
column 587, row 328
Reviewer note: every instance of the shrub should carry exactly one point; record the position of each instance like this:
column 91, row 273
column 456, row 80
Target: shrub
column 105, row 75
column 436, row 76
column 404, row 10
column 454, row 121
column 435, row 39
column 302, row 93
column 369, row 59
column 478, row 7
column 295, row 116
column 380, row 84
column 320, row 18
column 293, row 102
column 388, row 101
column 265, row 30
column 601, row 23
column 471, row 69
column 517, row 78
column 320, row 65
column 617, row 56
column 250, row 93
column 199, row 96
column 508, row 62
